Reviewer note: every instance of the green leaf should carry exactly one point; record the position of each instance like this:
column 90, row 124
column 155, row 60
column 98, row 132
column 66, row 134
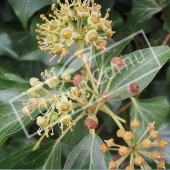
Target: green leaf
column 143, row 10
column 46, row 157
column 149, row 110
column 26, row 8
column 103, row 61
column 9, row 161
column 141, row 67
column 86, row 155
column 6, row 47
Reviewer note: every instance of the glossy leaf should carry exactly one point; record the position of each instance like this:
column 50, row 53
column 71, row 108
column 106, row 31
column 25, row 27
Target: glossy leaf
column 86, row 155
column 26, row 8
column 149, row 110
column 141, row 67
column 46, row 157
column 145, row 10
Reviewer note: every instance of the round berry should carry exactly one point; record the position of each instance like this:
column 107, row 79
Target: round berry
column 146, row 143
column 129, row 167
column 133, row 88
column 52, row 82
column 33, row 80
column 151, row 125
column 103, row 148
column 128, row 136
column 139, row 160
column 135, row 123
column 112, row 165
column 109, row 142
column 77, row 79
column 91, row 122
column 154, row 134
column 33, row 103
column 161, row 165
column 41, row 121
column 154, row 155
column 32, row 92
column 162, row 143
column 26, row 111
column 120, row 133
column 123, row 151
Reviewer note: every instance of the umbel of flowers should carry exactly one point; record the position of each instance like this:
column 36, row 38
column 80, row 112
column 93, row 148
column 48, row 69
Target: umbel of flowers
column 137, row 150
column 75, row 22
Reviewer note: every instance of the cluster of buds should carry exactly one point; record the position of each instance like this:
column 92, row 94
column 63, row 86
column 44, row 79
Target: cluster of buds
column 65, row 26
column 137, row 150
column 45, row 97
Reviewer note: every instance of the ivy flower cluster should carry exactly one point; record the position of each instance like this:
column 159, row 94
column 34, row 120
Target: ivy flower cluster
column 75, row 22
column 137, row 150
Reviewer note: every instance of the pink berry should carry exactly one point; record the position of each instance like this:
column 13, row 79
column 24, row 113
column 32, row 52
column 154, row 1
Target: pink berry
column 77, row 79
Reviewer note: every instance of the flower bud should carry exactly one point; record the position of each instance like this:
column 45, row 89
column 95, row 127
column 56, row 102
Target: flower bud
column 52, row 82
column 154, row 155
column 91, row 122
column 38, row 85
column 129, row 167
column 79, row 53
column 106, row 25
column 103, row 148
column 117, row 63
column 33, row 80
column 120, row 133
column 154, row 134
column 91, row 36
column 139, row 160
column 151, row 126
column 133, row 88
column 93, row 22
column 161, row 165
column 42, row 103
column 83, row 12
column 101, row 45
column 33, row 103
column 32, row 92
column 135, row 123
column 162, row 143
column 66, row 76
column 109, row 142
column 41, row 121
column 26, row 111
column 123, row 151
column 77, row 79
column 128, row 136
column 146, row 143
column 112, row 165
column 67, row 34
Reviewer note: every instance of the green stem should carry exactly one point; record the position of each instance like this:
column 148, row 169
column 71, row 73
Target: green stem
column 146, row 131
column 39, row 142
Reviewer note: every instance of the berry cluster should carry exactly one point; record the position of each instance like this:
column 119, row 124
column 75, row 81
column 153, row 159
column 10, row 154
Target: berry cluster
column 44, row 96
column 60, row 31
column 136, row 150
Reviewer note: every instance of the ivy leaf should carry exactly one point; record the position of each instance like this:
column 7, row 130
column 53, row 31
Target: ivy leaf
column 6, row 47
column 141, row 67
column 144, row 10
column 26, row 8
column 46, row 157
column 149, row 110
column 86, row 155
column 9, row 161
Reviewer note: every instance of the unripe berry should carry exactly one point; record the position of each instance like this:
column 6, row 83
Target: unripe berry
column 110, row 142
column 66, row 76
column 112, row 165
column 133, row 88
column 117, row 63
column 33, row 80
column 41, row 121
column 162, row 143
column 154, row 134
column 120, row 133
column 151, row 125
column 38, row 85
column 26, row 111
column 52, row 82
column 154, row 155
column 42, row 103
column 103, row 148
column 128, row 136
column 129, row 167
column 146, row 143
column 135, row 123
column 139, row 160
column 123, row 151
column 32, row 92
column 33, row 103
column 79, row 53
column 91, row 122
column 161, row 165
column 77, row 79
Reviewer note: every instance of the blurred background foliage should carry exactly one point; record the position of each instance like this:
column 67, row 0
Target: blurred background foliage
column 21, row 59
